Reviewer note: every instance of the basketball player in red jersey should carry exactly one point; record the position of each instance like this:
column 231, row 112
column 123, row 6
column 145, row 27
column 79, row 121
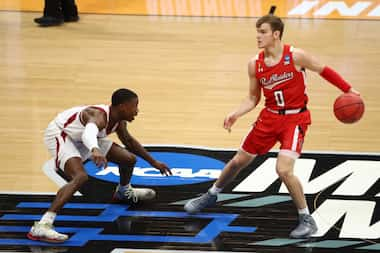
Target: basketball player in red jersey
column 80, row 133
column 278, row 72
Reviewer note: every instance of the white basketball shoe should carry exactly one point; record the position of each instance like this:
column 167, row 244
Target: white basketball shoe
column 46, row 233
column 134, row 195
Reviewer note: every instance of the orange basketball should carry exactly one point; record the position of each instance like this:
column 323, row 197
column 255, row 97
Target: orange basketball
column 348, row 108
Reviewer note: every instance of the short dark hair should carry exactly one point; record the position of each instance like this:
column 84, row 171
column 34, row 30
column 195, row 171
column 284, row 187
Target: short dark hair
column 121, row 96
column 275, row 23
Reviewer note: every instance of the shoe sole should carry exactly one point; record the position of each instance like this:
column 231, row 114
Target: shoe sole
column 43, row 239
column 71, row 20
column 48, row 25
column 187, row 207
column 189, row 210
column 116, row 199
column 306, row 236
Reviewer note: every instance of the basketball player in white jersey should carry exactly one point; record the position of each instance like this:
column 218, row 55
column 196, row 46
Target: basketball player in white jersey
column 80, row 133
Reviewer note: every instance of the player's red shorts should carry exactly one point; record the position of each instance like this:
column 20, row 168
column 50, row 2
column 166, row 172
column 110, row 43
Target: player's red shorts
column 271, row 127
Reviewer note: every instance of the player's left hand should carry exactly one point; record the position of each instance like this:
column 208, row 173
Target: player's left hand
column 162, row 167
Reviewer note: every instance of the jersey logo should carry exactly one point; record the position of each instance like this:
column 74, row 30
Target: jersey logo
column 276, row 79
column 286, row 60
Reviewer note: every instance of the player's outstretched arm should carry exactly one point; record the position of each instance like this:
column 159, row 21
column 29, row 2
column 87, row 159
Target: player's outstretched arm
column 303, row 59
column 135, row 147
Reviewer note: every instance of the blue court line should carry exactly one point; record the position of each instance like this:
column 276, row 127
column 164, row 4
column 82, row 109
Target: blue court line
column 110, row 213
column 219, row 223
column 69, row 205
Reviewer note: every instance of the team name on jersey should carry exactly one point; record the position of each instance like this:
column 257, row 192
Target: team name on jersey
column 276, row 79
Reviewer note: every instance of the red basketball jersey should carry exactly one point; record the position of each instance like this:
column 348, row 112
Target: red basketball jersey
column 283, row 85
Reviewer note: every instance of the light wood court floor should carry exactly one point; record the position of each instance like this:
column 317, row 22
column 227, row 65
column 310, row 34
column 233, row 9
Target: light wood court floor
column 189, row 73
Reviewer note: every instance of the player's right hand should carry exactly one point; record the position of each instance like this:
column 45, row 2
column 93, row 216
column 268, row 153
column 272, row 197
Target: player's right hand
column 98, row 158
column 352, row 90
column 229, row 121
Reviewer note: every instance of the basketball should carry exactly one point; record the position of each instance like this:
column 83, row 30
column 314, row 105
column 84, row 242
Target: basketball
column 348, row 108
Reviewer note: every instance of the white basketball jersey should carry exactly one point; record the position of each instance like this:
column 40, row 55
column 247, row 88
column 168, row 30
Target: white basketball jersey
column 69, row 122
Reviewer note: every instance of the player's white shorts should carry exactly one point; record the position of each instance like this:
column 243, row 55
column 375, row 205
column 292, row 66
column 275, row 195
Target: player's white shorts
column 62, row 147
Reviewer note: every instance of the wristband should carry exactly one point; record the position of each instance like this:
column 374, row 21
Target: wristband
column 333, row 77
column 89, row 136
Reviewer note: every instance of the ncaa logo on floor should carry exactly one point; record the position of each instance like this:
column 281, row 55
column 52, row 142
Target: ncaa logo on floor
column 186, row 168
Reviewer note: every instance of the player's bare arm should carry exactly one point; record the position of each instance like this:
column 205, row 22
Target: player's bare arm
column 94, row 120
column 96, row 116
column 253, row 98
column 306, row 60
column 303, row 59
column 135, row 147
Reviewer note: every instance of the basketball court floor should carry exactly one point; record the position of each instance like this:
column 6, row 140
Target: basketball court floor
column 187, row 61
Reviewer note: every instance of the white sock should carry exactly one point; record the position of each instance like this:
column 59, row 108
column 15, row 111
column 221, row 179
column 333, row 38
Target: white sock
column 214, row 190
column 48, row 218
column 303, row 211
